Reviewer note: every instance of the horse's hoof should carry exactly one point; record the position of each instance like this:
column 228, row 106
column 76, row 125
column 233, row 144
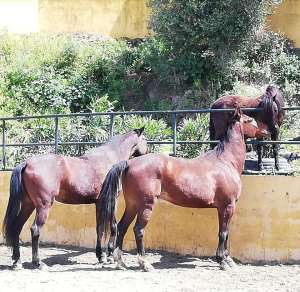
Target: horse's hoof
column 121, row 266
column 17, row 266
column 43, row 267
column 224, row 266
column 118, row 259
column 230, row 262
column 110, row 259
column 100, row 265
column 103, row 258
column 39, row 266
column 145, row 265
column 117, row 254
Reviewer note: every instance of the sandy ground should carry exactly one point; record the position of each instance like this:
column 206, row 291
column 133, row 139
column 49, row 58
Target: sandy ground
column 74, row 269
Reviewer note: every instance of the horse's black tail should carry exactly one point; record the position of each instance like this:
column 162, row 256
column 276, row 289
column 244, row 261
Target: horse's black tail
column 212, row 132
column 14, row 204
column 108, row 195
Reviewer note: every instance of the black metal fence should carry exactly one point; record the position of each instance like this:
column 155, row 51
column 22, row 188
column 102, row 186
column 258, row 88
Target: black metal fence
column 173, row 141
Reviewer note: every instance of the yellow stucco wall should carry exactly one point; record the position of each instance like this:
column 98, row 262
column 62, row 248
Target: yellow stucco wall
column 266, row 225
column 286, row 19
column 118, row 18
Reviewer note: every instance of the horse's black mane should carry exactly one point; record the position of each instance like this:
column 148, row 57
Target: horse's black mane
column 226, row 137
column 272, row 94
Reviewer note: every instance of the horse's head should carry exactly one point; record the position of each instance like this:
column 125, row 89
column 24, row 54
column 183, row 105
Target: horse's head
column 249, row 127
column 254, row 129
column 141, row 146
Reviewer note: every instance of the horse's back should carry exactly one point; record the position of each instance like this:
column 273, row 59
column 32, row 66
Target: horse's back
column 185, row 182
column 66, row 179
column 232, row 101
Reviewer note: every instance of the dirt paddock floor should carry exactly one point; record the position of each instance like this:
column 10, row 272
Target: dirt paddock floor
column 76, row 269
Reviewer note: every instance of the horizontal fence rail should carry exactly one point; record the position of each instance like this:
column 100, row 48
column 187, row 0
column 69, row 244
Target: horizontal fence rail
column 173, row 140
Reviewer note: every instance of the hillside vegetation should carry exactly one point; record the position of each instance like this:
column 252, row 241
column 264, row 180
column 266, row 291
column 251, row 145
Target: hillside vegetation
column 197, row 53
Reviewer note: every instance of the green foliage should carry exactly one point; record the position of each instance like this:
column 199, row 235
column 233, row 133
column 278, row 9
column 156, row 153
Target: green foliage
column 207, row 26
column 199, row 51
column 75, row 129
column 40, row 74
column 155, row 129
column 193, row 129
column 211, row 49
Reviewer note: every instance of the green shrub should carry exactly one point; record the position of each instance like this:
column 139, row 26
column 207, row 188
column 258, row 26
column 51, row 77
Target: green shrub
column 42, row 74
column 193, row 129
column 210, row 49
column 155, row 129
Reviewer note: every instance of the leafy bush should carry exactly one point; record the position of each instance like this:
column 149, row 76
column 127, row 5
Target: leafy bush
column 199, row 52
column 155, row 129
column 210, row 49
column 85, row 129
column 40, row 74
column 193, row 129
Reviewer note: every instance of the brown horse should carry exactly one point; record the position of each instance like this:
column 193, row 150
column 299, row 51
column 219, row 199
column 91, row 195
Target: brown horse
column 272, row 114
column 211, row 180
column 40, row 180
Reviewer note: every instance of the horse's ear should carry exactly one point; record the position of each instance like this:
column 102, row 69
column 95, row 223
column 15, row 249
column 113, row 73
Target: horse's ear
column 237, row 114
column 139, row 131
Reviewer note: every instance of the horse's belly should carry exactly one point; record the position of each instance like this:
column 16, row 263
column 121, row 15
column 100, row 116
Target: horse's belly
column 188, row 190
column 189, row 200
column 75, row 196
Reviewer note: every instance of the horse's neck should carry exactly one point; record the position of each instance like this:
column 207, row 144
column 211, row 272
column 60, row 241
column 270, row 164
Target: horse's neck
column 123, row 148
column 114, row 151
column 235, row 149
column 126, row 148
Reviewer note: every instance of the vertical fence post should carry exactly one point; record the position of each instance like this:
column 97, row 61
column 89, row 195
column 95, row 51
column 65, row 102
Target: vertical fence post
column 111, row 125
column 3, row 145
column 174, row 128
column 56, row 135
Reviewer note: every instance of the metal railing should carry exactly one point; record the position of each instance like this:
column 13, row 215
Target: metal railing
column 174, row 142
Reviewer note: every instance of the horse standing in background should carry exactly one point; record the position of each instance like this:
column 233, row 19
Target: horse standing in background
column 272, row 114
column 211, row 180
column 41, row 179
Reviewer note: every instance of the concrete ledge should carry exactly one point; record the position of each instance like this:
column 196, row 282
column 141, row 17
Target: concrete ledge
column 265, row 227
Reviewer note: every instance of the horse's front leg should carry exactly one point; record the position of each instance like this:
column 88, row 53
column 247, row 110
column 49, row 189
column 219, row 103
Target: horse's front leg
column 222, row 253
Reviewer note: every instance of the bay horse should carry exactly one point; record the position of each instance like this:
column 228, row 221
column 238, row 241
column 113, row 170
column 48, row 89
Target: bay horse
column 272, row 114
column 42, row 179
column 211, row 180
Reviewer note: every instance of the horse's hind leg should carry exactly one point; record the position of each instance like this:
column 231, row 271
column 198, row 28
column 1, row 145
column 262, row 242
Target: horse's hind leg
column 27, row 208
column 139, row 230
column 100, row 252
column 112, row 240
column 39, row 221
column 222, row 253
column 122, row 227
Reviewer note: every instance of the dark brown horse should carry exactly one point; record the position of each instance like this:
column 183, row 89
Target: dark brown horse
column 211, row 180
column 272, row 114
column 40, row 180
